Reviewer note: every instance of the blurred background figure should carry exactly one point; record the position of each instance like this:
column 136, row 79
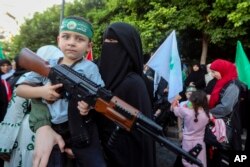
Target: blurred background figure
column 208, row 75
column 17, row 144
column 18, row 72
column 3, row 98
column 6, row 69
column 196, row 77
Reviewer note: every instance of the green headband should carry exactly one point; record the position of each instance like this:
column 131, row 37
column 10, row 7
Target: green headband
column 191, row 89
column 79, row 26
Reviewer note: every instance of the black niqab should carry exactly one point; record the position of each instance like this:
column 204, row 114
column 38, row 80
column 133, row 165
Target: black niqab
column 121, row 67
column 128, row 54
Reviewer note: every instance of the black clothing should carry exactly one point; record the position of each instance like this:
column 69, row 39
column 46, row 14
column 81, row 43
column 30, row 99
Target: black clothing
column 3, row 107
column 19, row 71
column 132, row 149
column 210, row 86
column 163, row 84
column 14, row 78
column 121, row 66
column 247, row 125
column 148, row 77
column 197, row 77
column 3, row 100
column 118, row 59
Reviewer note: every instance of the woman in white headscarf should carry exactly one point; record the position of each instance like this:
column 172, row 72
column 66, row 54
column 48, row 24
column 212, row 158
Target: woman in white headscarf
column 17, row 143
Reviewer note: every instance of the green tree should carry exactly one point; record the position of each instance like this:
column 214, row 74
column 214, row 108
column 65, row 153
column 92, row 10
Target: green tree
column 209, row 19
column 241, row 19
column 40, row 30
column 200, row 25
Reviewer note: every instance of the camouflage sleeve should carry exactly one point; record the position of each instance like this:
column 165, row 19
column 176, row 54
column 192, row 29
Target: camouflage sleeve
column 39, row 115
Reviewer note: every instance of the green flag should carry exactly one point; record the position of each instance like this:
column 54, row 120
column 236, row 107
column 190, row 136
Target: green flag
column 1, row 52
column 242, row 65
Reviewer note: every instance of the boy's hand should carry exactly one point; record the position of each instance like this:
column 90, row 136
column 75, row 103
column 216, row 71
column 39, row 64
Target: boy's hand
column 83, row 108
column 50, row 94
column 46, row 139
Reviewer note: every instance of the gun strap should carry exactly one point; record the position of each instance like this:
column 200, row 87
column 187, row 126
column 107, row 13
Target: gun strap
column 78, row 126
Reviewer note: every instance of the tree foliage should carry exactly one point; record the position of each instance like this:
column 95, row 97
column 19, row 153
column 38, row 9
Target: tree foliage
column 219, row 22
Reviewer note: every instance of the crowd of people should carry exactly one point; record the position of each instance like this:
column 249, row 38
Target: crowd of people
column 218, row 83
column 40, row 126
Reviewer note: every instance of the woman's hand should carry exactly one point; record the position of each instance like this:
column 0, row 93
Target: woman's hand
column 45, row 140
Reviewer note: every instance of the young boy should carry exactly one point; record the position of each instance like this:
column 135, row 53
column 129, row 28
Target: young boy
column 74, row 40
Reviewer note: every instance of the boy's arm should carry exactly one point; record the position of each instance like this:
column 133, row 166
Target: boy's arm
column 39, row 115
column 27, row 91
column 47, row 92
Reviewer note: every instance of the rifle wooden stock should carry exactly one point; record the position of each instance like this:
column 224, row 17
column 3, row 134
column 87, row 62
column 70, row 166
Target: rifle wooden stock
column 32, row 62
column 109, row 111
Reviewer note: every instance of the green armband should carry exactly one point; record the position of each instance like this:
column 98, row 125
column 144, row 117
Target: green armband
column 39, row 115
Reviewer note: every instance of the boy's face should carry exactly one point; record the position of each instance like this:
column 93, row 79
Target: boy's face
column 73, row 44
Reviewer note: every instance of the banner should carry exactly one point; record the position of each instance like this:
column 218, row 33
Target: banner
column 166, row 63
column 242, row 65
column 89, row 55
column 1, row 52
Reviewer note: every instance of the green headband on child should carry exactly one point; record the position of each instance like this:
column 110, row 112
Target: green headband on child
column 75, row 25
column 191, row 89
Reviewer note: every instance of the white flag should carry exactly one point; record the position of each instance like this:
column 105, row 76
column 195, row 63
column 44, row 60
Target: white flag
column 166, row 62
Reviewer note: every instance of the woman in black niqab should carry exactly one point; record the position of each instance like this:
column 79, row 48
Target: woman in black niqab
column 196, row 77
column 121, row 68
column 118, row 59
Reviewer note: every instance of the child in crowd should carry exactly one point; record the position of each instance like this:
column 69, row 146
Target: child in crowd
column 5, row 69
column 188, row 94
column 187, row 104
column 74, row 40
column 195, row 119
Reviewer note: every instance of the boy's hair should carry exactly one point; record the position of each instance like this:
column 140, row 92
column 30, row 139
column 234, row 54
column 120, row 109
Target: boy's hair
column 199, row 99
column 77, row 24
